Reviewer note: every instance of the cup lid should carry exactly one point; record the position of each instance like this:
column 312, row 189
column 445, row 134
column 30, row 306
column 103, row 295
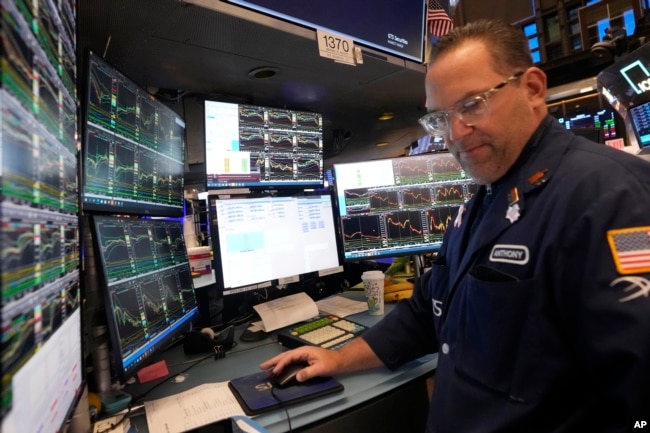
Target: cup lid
column 372, row 274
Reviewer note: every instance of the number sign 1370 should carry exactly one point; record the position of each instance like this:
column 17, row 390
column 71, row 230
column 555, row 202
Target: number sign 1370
column 335, row 47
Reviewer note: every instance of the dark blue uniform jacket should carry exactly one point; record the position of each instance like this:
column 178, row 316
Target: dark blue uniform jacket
column 541, row 318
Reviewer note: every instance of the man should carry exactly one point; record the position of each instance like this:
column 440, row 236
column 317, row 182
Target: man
column 538, row 303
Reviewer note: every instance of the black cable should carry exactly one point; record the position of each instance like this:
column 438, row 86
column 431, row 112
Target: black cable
column 185, row 370
column 143, row 395
column 241, row 319
column 193, row 364
column 284, row 407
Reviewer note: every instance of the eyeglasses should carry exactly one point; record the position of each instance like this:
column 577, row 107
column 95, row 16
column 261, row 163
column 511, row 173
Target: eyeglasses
column 469, row 110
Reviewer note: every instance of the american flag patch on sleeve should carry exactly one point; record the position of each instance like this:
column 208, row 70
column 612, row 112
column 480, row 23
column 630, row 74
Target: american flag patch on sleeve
column 631, row 249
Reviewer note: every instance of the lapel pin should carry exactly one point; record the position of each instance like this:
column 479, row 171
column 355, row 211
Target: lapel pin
column 459, row 218
column 537, row 177
column 512, row 214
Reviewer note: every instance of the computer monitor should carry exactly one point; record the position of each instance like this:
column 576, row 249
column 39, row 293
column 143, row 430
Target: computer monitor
column 640, row 118
column 42, row 357
column 147, row 284
column 393, row 27
column 592, row 123
column 261, row 147
column 133, row 147
column 398, row 206
column 261, row 243
column 42, row 368
column 42, row 351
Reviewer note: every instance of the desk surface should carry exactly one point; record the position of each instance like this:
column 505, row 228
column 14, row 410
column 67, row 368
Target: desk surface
column 245, row 358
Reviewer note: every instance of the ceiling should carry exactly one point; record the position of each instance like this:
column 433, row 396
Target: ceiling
column 187, row 51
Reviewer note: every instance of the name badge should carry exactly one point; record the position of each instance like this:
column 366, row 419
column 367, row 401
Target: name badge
column 515, row 254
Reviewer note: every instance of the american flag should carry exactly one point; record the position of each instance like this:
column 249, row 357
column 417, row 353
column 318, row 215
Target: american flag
column 438, row 21
column 631, row 249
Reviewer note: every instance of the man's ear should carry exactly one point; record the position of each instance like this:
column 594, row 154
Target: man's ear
column 535, row 81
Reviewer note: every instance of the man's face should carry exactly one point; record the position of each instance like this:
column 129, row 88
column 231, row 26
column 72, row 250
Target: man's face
column 491, row 145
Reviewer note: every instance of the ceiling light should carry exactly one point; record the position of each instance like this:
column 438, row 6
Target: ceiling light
column 263, row 73
column 385, row 116
column 382, row 144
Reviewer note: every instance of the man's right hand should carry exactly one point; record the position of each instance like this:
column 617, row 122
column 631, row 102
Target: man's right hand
column 355, row 355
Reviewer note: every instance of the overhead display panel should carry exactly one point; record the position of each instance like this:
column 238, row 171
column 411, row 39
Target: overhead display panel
column 390, row 26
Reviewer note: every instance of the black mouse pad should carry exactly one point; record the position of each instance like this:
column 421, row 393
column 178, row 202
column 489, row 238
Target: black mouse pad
column 254, row 392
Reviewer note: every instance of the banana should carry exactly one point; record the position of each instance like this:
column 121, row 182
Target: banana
column 396, row 291
column 397, row 287
column 396, row 296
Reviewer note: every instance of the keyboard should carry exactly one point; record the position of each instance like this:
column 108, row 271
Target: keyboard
column 329, row 332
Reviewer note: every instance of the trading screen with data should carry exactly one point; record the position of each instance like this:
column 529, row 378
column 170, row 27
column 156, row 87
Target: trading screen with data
column 134, row 147
column 603, row 119
column 640, row 117
column 42, row 365
column 259, row 240
column 147, row 283
column 262, row 147
column 398, row 206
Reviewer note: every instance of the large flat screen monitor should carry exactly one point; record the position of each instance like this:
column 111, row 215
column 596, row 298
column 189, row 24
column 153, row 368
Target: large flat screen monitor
column 398, row 206
column 42, row 353
column 262, row 147
column 390, row 26
column 133, row 147
column 147, row 285
column 42, row 365
column 260, row 241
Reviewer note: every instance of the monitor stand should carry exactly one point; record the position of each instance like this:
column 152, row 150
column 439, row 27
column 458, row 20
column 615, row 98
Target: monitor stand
column 238, row 308
column 251, row 336
column 418, row 265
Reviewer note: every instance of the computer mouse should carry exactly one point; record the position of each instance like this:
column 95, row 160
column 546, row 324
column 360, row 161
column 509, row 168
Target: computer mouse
column 287, row 377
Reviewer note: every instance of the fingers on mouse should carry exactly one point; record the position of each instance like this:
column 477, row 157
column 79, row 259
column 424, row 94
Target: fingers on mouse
column 287, row 377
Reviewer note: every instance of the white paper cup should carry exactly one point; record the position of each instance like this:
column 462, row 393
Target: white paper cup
column 373, row 286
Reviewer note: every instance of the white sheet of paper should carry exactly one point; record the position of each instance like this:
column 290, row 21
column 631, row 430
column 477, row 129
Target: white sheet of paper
column 341, row 306
column 196, row 407
column 286, row 311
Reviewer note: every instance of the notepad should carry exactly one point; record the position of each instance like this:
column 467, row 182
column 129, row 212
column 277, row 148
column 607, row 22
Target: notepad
column 254, row 392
